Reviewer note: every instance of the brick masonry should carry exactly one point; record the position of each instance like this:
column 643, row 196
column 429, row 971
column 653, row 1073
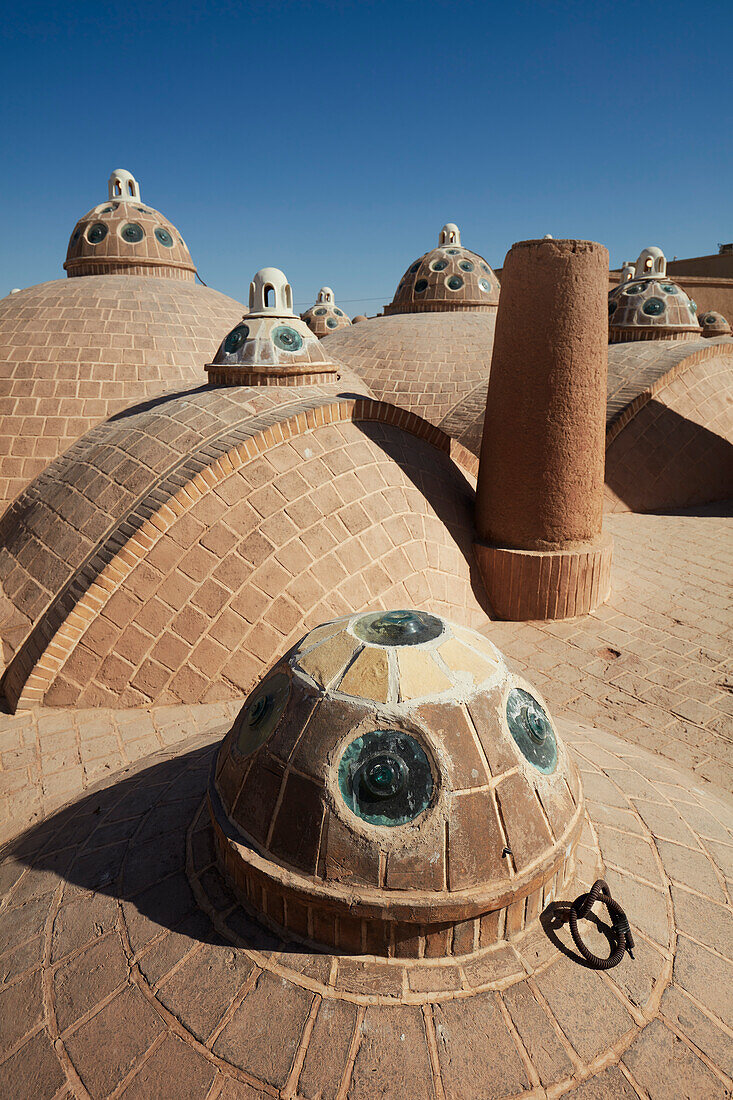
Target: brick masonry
column 74, row 352
column 129, row 968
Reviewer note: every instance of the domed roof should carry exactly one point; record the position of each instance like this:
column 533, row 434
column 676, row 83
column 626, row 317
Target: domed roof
column 448, row 277
column 391, row 768
column 325, row 316
column 76, row 351
column 649, row 306
column 124, row 236
column 271, row 345
column 714, row 324
column 435, row 365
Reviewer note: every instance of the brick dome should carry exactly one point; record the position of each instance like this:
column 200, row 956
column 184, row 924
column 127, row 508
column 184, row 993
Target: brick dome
column 713, row 324
column 325, row 316
column 649, row 306
column 76, row 351
column 447, row 278
column 271, row 345
column 433, row 364
column 391, row 770
column 125, row 236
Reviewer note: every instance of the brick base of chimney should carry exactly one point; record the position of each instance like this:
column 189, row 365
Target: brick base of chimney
column 546, row 584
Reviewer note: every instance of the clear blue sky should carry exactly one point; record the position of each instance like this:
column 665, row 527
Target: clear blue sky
column 334, row 140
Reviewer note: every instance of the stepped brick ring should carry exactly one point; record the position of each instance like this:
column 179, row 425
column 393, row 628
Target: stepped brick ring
column 620, row 931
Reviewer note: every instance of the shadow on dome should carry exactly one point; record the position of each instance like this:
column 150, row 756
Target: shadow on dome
column 450, row 504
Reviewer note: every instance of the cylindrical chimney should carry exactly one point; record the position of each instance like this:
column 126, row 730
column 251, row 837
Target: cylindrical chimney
column 539, row 500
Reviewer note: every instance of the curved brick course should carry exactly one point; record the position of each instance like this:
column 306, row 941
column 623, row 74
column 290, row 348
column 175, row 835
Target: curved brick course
column 172, row 457
column 680, row 435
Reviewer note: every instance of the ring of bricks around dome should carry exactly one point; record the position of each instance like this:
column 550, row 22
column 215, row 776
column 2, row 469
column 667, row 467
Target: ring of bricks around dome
column 651, row 309
column 389, row 782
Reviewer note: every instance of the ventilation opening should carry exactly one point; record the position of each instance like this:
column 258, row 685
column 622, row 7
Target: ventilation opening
column 269, row 296
column 288, row 296
column 117, row 189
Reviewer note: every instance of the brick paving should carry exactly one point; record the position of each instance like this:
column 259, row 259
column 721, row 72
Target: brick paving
column 128, row 968
column 653, row 664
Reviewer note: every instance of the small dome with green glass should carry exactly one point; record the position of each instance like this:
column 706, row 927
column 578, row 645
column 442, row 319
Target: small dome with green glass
column 647, row 305
column 713, row 324
column 271, row 345
column 124, row 236
column 325, row 316
column 389, row 736
column 449, row 277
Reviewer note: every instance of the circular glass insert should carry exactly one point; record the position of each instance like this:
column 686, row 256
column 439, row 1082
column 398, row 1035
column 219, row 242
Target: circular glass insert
column 421, row 285
column 287, row 338
column 107, row 210
column 385, row 778
column 319, row 312
column 414, row 267
column 332, row 322
column 653, row 307
column 235, row 339
column 261, row 713
column 465, row 265
column 452, row 252
column 338, row 312
column 132, row 233
column 693, row 307
column 484, row 285
column 398, row 627
column 532, row 730
column 634, row 288
column 486, row 268
column 670, row 288
column 439, row 265
column 97, row 233
column 454, row 282
column 164, row 237
column 711, row 319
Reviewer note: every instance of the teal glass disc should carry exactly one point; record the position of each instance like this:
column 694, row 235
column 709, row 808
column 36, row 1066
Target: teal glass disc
column 466, row 265
column 331, row 322
column 653, row 307
column 132, row 233
column 164, row 237
column 235, row 339
column 287, row 338
column 532, row 730
column 261, row 713
column 319, row 312
column 97, row 233
column 385, row 778
column 404, row 627
column 421, row 285
column 439, row 265
column 455, row 282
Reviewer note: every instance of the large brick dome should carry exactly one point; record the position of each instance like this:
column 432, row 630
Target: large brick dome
column 76, row 351
column 433, row 364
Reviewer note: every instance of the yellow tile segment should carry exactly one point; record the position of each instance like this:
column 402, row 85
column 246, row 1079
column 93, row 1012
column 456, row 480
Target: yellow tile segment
column 320, row 634
column 460, row 659
column 368, row 676
column 419, row 674
column 327, row 660
column 476, row 641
